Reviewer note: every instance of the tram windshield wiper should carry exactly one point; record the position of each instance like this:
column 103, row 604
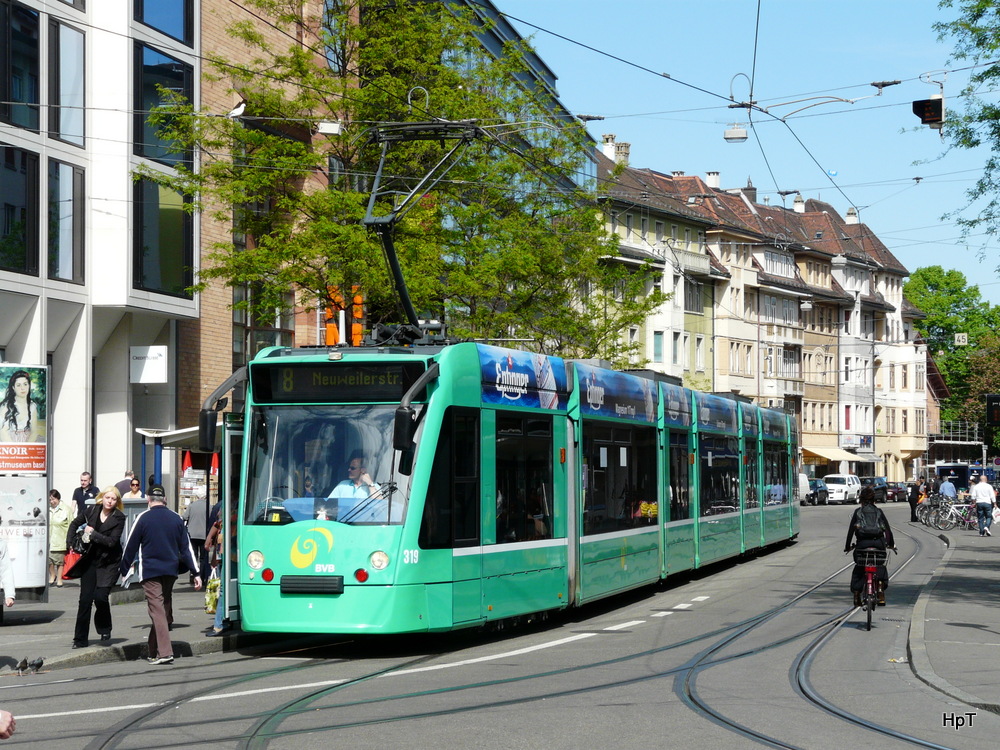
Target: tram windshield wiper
column 383, row 492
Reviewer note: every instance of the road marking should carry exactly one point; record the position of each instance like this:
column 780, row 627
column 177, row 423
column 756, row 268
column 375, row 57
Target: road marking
column 686, row 605
column 699, row 598
column 91, row 711
column 624, row 625
column 661, row 614
column 518, row 652
column 258, row 691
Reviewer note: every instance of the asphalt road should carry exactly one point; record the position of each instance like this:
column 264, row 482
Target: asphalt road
column 764, row 652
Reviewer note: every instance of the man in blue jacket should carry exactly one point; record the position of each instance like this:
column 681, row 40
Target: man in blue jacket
column 158, row 544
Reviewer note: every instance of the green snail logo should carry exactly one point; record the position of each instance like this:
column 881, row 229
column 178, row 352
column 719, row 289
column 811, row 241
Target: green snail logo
column 304, row 551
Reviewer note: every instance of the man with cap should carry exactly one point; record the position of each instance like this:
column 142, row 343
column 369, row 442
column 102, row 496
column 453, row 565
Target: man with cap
column 157, row 545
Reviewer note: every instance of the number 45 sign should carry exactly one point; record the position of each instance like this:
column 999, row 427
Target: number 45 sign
column 961, row 339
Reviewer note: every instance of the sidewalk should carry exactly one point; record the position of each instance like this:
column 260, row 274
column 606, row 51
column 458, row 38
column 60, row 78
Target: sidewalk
column 955, row 624
column 35, row 629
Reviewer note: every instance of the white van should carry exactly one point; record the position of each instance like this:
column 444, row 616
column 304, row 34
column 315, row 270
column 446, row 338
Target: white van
column 802, row 489
column 844, row 488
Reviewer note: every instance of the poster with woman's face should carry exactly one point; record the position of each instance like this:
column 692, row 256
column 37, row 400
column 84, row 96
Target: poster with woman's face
column 23, row 411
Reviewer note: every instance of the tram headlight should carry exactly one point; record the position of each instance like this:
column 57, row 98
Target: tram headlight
column 379, row 560
column 255, row 559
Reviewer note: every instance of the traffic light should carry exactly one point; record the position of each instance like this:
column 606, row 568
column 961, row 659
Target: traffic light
column 993, row 409
column 930, row 111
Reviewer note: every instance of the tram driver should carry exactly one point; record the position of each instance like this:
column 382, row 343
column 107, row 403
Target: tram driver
column 358, row 487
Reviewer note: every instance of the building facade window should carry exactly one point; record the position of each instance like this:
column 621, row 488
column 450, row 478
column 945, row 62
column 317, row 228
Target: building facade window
column 65, row 222
column 675, row 354
column 154, row 71
column 66, row 83
column 19, row 60
column 693, row 296
column 658, row 346
column 19, row 223
column 699, row 352
column 163, row 241
column 175, row 18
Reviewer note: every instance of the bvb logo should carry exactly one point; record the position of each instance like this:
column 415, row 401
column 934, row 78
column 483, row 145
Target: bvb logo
column 304, row 553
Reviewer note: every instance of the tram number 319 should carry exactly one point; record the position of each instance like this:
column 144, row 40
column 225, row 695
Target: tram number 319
column 411, row 556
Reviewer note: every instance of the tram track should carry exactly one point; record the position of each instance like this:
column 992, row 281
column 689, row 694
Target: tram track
column 270, row 724
column 801, row 682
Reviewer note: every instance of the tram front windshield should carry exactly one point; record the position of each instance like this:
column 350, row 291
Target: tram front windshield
column 331, row 463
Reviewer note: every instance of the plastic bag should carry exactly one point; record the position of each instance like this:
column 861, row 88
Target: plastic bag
column 212, row 593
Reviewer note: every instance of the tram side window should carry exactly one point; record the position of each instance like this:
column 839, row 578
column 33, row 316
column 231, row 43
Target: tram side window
column 524, row 478
column 680, row 478
column 451, row 510
column 620, row 477
column 752, row 478
column 720, row 474
column 775, row 474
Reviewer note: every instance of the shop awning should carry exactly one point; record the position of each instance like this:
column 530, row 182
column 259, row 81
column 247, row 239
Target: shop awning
column 837, row 454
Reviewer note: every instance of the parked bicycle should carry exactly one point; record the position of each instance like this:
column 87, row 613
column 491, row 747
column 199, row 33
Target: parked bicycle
column 928, row 508
column 949, row 515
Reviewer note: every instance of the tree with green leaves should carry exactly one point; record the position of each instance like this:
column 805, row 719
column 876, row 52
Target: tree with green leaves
column 508, row 245
column 983, row 377
column 975, row 122
column 951, row 306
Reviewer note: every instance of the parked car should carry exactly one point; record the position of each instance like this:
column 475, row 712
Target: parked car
column 898, row 492
column 880, row 485
column 843, row 488
column 818, row 493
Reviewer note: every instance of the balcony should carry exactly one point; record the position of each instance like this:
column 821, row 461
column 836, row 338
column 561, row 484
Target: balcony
column 696, row 263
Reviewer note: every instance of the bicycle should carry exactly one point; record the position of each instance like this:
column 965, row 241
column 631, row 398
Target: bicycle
column 870, row 559
column 949, row 516
column 928, row 509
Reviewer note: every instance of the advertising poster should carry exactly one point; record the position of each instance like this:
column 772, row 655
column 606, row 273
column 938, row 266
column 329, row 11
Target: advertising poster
column 511, row 377
column 24, row 516
column 24, row 510
column 23, row 410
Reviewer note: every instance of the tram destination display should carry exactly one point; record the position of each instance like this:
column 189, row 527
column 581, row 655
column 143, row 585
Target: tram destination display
column 333, row 382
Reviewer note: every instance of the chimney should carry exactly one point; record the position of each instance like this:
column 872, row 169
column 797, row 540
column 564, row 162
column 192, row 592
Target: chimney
column 621, row 153
column 712, row 180
column 609, row 145
column 677, row 173
column 799, row 204
column 852, row 216
column 750, row 191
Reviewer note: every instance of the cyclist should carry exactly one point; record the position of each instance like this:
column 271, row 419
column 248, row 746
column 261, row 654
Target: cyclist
column 869, row 525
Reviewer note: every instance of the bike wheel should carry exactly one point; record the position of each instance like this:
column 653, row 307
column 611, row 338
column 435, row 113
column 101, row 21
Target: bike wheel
column 869, row 606
column 945, row 521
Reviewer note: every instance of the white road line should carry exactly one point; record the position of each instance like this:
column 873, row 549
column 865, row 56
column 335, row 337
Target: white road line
column 325, row 683
column 661, row 614
column 91, row 711
column 624, row 625
column 700, row 598
column 686, row 605
column 518, row 652
column 225, row 696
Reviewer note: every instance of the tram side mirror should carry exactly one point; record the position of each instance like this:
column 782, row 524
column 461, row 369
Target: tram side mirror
column 403, row 428
column 405, row 466
column 206, row 430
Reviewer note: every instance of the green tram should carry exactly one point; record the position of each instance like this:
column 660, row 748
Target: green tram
column 502, row 483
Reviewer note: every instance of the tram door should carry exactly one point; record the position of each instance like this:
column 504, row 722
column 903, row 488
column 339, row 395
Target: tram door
column 229, row 490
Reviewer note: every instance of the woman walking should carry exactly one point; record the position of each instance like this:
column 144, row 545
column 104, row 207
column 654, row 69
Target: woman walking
column 60, row 517
column 102, row 525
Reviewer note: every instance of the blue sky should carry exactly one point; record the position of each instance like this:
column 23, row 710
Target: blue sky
column 866, row 154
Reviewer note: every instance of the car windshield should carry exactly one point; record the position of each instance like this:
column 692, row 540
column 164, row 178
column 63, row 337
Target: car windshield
column 836, row 480
column 314, row 463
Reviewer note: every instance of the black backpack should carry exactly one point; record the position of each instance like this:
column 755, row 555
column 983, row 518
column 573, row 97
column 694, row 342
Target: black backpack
column 869, row 522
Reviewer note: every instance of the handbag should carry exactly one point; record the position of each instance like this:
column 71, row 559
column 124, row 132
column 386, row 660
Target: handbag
column 70, row 571
column 212, row 589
